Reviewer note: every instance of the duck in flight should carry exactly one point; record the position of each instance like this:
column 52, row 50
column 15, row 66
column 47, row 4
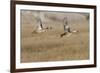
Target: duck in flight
column 67, row 29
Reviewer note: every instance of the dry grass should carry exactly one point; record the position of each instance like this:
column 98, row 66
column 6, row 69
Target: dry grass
column 48, row 46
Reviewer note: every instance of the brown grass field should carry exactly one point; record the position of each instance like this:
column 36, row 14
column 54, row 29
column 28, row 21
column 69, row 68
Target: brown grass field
column 49, row 46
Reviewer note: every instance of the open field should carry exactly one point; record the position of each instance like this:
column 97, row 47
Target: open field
column 49, row 46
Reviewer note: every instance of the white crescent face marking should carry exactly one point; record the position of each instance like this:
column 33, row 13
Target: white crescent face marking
column 39, row 28
column 67, row 27
column 75, row 31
